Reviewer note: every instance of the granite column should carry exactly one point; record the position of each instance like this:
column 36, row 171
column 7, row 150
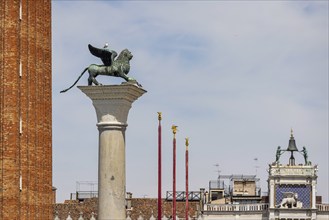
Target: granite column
column 112, row 104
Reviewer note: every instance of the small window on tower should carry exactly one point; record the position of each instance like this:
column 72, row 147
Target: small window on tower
column 20, row 10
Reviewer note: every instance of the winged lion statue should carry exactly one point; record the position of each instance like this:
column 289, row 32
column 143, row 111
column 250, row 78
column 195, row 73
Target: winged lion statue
column 290, row 200
column 118, row 67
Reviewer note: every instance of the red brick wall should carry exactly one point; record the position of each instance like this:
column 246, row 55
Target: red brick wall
column 26, row 97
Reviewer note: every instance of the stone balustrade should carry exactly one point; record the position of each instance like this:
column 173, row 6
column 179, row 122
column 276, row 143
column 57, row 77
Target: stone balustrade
column 259, row 207
column 322, row 207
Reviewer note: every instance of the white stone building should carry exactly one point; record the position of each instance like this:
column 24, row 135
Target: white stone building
column 291, row 194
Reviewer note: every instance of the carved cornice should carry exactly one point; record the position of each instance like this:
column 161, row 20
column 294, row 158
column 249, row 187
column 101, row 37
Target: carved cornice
column 113, row 102
column 126, row 91
column 293, row 171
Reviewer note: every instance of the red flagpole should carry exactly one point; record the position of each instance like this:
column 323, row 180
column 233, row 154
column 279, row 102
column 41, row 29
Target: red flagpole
column 159, row 167
column 186, row 179
column 174, row 129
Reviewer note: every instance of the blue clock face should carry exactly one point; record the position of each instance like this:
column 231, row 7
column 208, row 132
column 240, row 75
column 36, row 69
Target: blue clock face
column 303, row 193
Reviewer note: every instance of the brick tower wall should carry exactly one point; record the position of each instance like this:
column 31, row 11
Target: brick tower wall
column 25, row 110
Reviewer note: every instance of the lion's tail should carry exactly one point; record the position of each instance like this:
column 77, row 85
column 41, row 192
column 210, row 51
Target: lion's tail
column 65, row 90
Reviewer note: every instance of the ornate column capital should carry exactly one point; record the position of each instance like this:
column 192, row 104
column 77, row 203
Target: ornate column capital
column 113, row 102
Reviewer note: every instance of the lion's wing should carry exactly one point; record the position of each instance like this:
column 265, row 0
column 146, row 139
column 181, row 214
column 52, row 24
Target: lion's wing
column 288, row 194
column 105, row 55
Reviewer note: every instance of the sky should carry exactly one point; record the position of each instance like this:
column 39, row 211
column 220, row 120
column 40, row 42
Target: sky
column 234, row 76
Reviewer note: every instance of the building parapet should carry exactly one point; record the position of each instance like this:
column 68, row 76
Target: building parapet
column 259, row 207
column 322, row 207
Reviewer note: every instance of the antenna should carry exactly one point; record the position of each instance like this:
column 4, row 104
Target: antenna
column 256, row 164
column 218, row 170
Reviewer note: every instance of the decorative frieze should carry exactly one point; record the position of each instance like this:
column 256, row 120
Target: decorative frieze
column 293, row 170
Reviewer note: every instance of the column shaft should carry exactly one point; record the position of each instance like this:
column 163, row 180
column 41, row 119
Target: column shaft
column 111, row 172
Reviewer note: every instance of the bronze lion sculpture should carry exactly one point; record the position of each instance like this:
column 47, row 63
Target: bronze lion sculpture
column 119, row 68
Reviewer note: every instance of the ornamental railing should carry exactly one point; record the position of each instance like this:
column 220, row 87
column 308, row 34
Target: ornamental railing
column 259, row 207
column 322, row 207
column 181, row 196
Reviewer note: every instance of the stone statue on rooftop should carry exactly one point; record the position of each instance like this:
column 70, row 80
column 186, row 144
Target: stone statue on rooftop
column 279, row 152
column 118, row 67
column 304, row 152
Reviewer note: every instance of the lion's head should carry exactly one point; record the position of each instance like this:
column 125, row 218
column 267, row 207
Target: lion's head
column 125, row 55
